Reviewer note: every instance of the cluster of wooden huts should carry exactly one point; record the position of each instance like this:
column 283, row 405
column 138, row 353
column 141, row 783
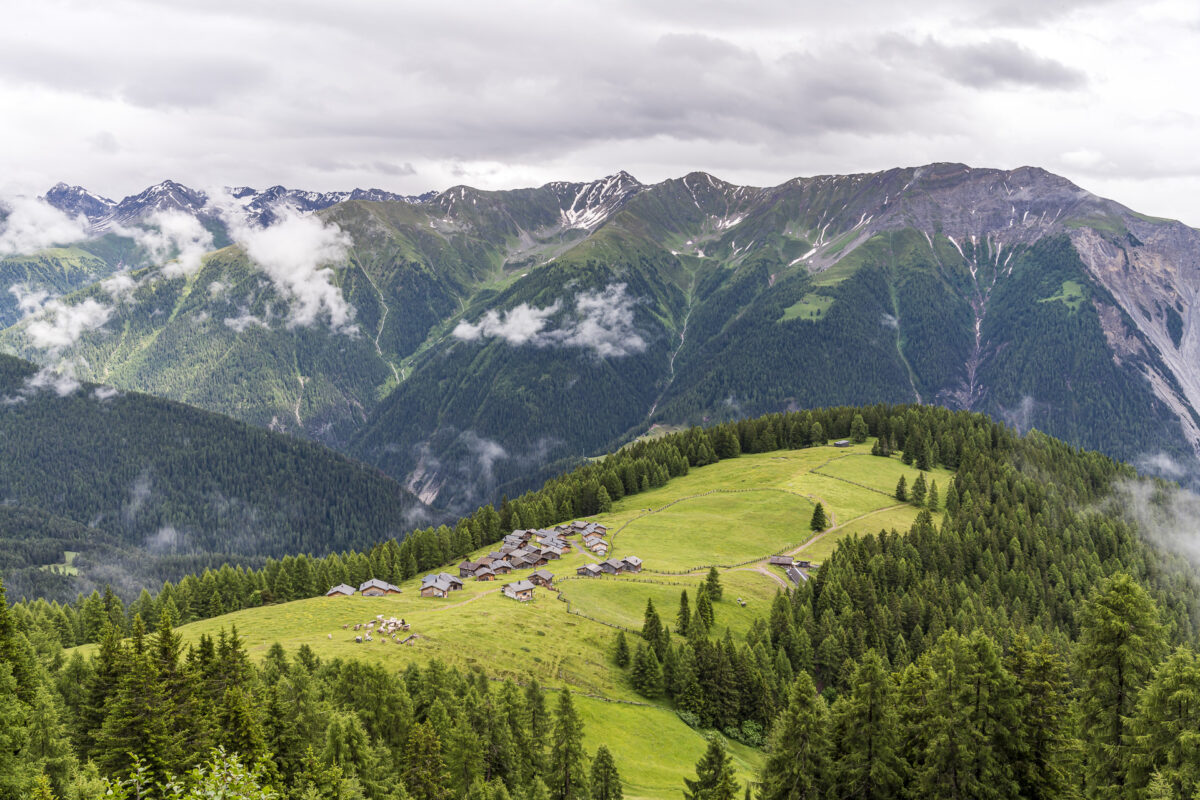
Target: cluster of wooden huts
column 796, row 570
column 611, row 566
column 371, row 588
column 591, row 535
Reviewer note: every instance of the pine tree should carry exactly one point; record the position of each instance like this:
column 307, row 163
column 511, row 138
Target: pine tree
column 603, row 501
column 918, row 491
column 902, row 490
column 651, row 624
column 646, row 675
column 684, row 616
column 713, row 584
column 1120, row 641
column 1042, row 743
column 1162, row 733
column 704, row 608
column 931, row 500
column 818, row 522
column 425, row 775
column 621, row 653
column 797, row 765
column 605, row 783
column 567, row 776
column 867, row 734
column 715, row 777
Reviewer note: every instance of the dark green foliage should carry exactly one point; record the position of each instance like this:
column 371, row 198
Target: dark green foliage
column 798, row 765
column 902, row 489
column 858, row 430
column 621, row 651
column 712, row 584
column 605, row 780
column 646, row 675
column 567, row 777
column 818, row 522
column 715, row 778
column 919, row 488
column 684, row 616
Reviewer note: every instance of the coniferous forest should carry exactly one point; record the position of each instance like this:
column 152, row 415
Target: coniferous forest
column 1033, row 645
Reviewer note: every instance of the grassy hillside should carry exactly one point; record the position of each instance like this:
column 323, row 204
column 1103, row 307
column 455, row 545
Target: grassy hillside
column 734, row 514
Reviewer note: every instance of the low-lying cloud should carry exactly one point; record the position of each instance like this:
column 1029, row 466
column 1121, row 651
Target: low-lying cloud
column 295, row 252
column 174, row 239
column 601, row 321
column 1166, row 515
column 33, row 224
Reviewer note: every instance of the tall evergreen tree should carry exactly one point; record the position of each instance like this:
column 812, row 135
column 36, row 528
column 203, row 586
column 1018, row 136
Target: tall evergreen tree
column 605, row 781
column 715, row 778
column 646, row 675
column 713, row 584
column 902, row 490
column 621, row 650
column 1120, row 641
column 567, row 777
column 425, row 775
column 798, row 764
column 818, row 522
column 684, row 616
column 867, row 735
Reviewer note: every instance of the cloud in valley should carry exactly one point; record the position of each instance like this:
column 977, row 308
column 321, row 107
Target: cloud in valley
column 32, row 225
column 601, row 321
column 297, row 252
column 174, row 239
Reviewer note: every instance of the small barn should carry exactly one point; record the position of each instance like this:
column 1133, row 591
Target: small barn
column 435, row 589
column 842, row 443
column 795, row 575
column 612, row 566
column 485, row 573
column 341, row 590
column 443, row 583
column 780, row 561
column 632, row 563
column 521, row 590
column 467, row 568
column 502, row 567
column 542, row 577
column 590, row 571
column 377, row 588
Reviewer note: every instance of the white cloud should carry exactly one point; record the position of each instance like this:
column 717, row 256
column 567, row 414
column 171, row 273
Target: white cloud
column 120, row 287
column 601, row 321
column 174, row 239
column 57, row 326
column 245, row 321
column 33, row 225
column 58, row 378
column 29, row 299
column 295, row 252
column 517, row 326
column 105, row 393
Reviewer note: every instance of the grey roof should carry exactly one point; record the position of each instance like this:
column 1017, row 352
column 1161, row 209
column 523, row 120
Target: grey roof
column 614, row 562
column 501, row 563
column 784, row 561
column 520, row 586
column 445, row 577
column 378, row 584
column 591, row 567
column 484, row 570
column 341, row 588
column 544, row 574
column 637, row 562
column 796, row 574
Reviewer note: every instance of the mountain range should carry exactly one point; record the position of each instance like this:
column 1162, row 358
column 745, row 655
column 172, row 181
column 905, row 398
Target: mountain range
column 470, row 342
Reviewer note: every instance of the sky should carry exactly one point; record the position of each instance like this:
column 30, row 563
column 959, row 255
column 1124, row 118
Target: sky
column 410, row 97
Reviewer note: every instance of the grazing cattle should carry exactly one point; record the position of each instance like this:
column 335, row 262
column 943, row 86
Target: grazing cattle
column 358, row 640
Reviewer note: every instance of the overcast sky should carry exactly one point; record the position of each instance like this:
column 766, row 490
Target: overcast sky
column 411, row 96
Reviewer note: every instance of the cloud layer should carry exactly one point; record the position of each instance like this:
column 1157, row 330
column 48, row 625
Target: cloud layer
column 32, row 224
column 510, row 95
column 601, row 321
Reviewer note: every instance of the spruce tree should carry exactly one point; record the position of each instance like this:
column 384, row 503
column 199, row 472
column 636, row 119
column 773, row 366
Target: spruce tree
column 704, row 608
column 684, row 616
column 818, row 522
column 605, row 782
column 651, row 624
column 1043, row 745
column 567, row 778
column 918, row 491
column 931, row 500
column 713, row 584
column 603, row 501
column 646, row 674
column 715, row 777
column 621, row 653
column 902, row 490
column 1120, row 641
column 798, row 765
column 425, row 775
column 867, row 734
column 1163, row 732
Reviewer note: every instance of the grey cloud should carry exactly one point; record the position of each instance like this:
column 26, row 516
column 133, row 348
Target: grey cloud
column 988, row 65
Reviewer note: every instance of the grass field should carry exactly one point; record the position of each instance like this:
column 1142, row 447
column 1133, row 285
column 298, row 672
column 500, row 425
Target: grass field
column 736, row 512
column 811, row 306
column 67, row 567
column 1071, row 295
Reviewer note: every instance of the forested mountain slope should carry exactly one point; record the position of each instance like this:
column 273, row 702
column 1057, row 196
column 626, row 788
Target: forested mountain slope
column 145, row 488
column 1021, row 637
column 459, row 341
